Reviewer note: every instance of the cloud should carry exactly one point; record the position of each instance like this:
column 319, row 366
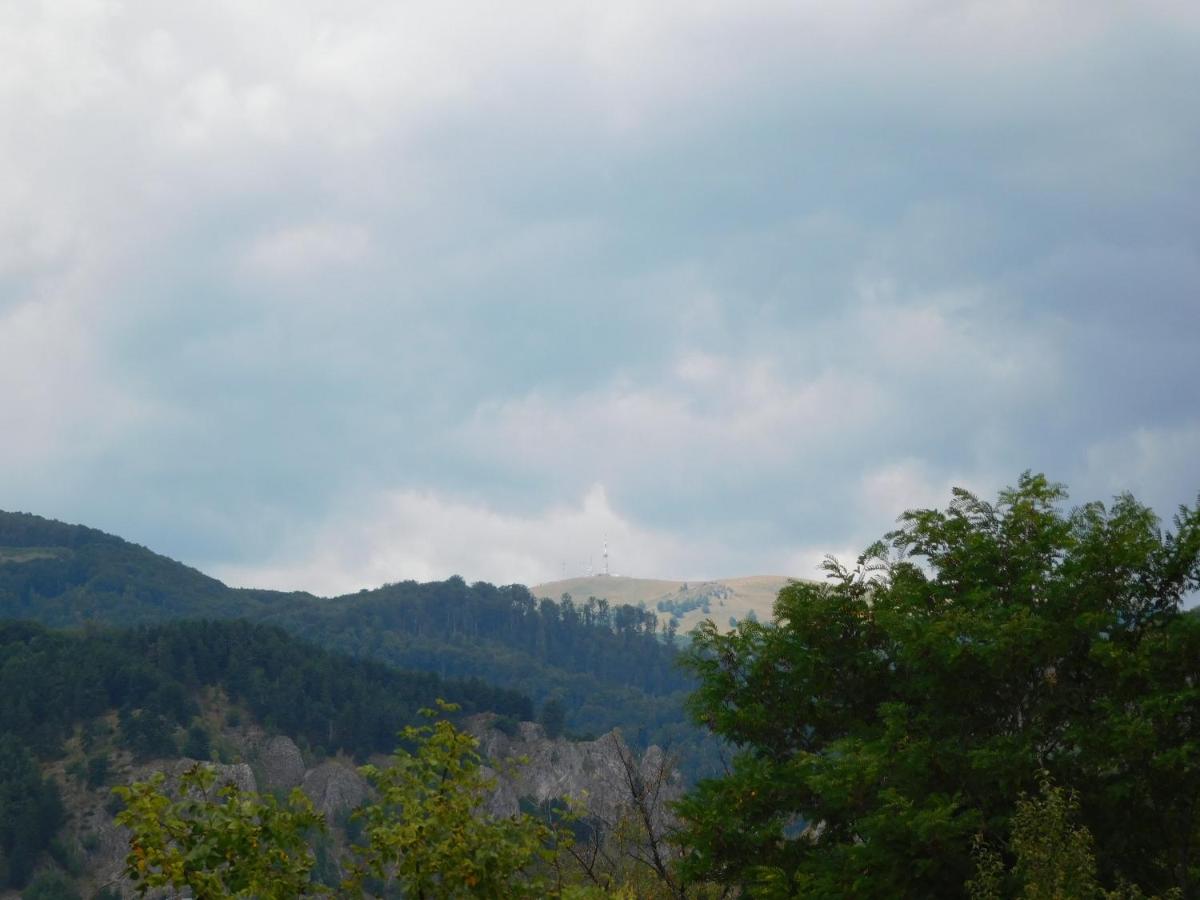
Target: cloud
column 298, row 249
column 422, row 535
column 766, row 271
column 1160, row 466
column 61, row 411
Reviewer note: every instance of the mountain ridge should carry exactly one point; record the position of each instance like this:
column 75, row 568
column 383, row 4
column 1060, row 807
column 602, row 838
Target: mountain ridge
column 611, row 666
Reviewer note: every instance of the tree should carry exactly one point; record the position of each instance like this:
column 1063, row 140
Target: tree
column 197, row 744
column 428, row 834
column 219, row 842
column 554, row 716
column 889, row 718
column 634, row 853
column 31, row 811
column 1054, row 857
column 51, row 885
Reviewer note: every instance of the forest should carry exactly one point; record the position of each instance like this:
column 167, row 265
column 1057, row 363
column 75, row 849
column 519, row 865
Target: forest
column 56, row 682
column 609, row 665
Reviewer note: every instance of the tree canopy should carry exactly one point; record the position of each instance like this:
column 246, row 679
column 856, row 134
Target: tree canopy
column 890, row 718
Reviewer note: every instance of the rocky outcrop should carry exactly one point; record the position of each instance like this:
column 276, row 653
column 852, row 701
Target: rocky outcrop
column 239, row 774
column 334, row 789
column 281, row 764
column 603, row 775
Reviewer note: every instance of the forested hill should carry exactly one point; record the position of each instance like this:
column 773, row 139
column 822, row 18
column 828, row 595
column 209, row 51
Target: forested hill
column 65, row 575
column 174, row 689
column 54, row 680
column 606, row 663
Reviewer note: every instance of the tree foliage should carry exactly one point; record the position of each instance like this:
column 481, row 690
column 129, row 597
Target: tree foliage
column 1053, row 856
column 886, row 718
column 54, row 681
column 31, row 811
column 428, row 833
column 425, row 835
column 218, row 842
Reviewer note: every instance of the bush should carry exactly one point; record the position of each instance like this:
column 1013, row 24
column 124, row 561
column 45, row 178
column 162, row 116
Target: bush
column 51, row 885
column 197, row 744
column 97, row 771
column 506, row 725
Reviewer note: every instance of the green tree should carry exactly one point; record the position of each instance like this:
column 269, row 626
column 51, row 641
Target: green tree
column 554, row 717
column 197, row 744
column 97, row 770
column 887, row 717
column 31, row 812
column 428, row 833
column 219, row 842
column 51, row 885
column 1053, row 855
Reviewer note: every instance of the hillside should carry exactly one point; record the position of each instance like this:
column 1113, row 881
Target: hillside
column 689, row 602
column 65, row 575
column 82, row 712
column 606, row 663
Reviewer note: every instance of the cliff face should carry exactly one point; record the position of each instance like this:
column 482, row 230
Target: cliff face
column 274, row 764
column 603, row 775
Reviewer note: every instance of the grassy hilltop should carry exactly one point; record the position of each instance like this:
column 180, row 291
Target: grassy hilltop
column 689, row 601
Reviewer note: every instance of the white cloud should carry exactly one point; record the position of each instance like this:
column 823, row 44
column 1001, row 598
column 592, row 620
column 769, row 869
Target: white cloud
column 684, row 429
column 889, row 490
column 300, row 249
column 423, row 535
column 58, row 407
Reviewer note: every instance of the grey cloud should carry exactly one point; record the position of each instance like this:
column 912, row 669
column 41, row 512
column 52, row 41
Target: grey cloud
column 417, row 252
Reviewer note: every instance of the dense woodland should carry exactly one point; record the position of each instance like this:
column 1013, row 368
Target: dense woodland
column 607, row 665
column 56, row 682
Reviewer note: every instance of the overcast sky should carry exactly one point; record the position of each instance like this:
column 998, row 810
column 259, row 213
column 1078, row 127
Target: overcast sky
column 326, row 294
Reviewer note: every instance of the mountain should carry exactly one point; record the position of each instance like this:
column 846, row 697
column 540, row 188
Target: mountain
column 66, row 575
column 608, row 664
column 80, row 709
column 689, row 602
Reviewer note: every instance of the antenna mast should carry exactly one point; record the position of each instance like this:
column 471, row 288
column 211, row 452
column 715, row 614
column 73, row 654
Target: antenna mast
column 606, row 555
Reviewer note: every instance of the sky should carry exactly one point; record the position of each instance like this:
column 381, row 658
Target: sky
column 322, row 295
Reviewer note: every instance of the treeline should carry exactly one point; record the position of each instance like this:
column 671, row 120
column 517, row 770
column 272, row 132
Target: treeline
column 68, row 575
column 615, row 644
column 607, row 664
column 56, row 680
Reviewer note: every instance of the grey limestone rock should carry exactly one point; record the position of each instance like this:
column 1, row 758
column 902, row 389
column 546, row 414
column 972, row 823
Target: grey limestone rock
column 530, row 765
column 239, row 774
column 280, row 763
column 334, row 788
